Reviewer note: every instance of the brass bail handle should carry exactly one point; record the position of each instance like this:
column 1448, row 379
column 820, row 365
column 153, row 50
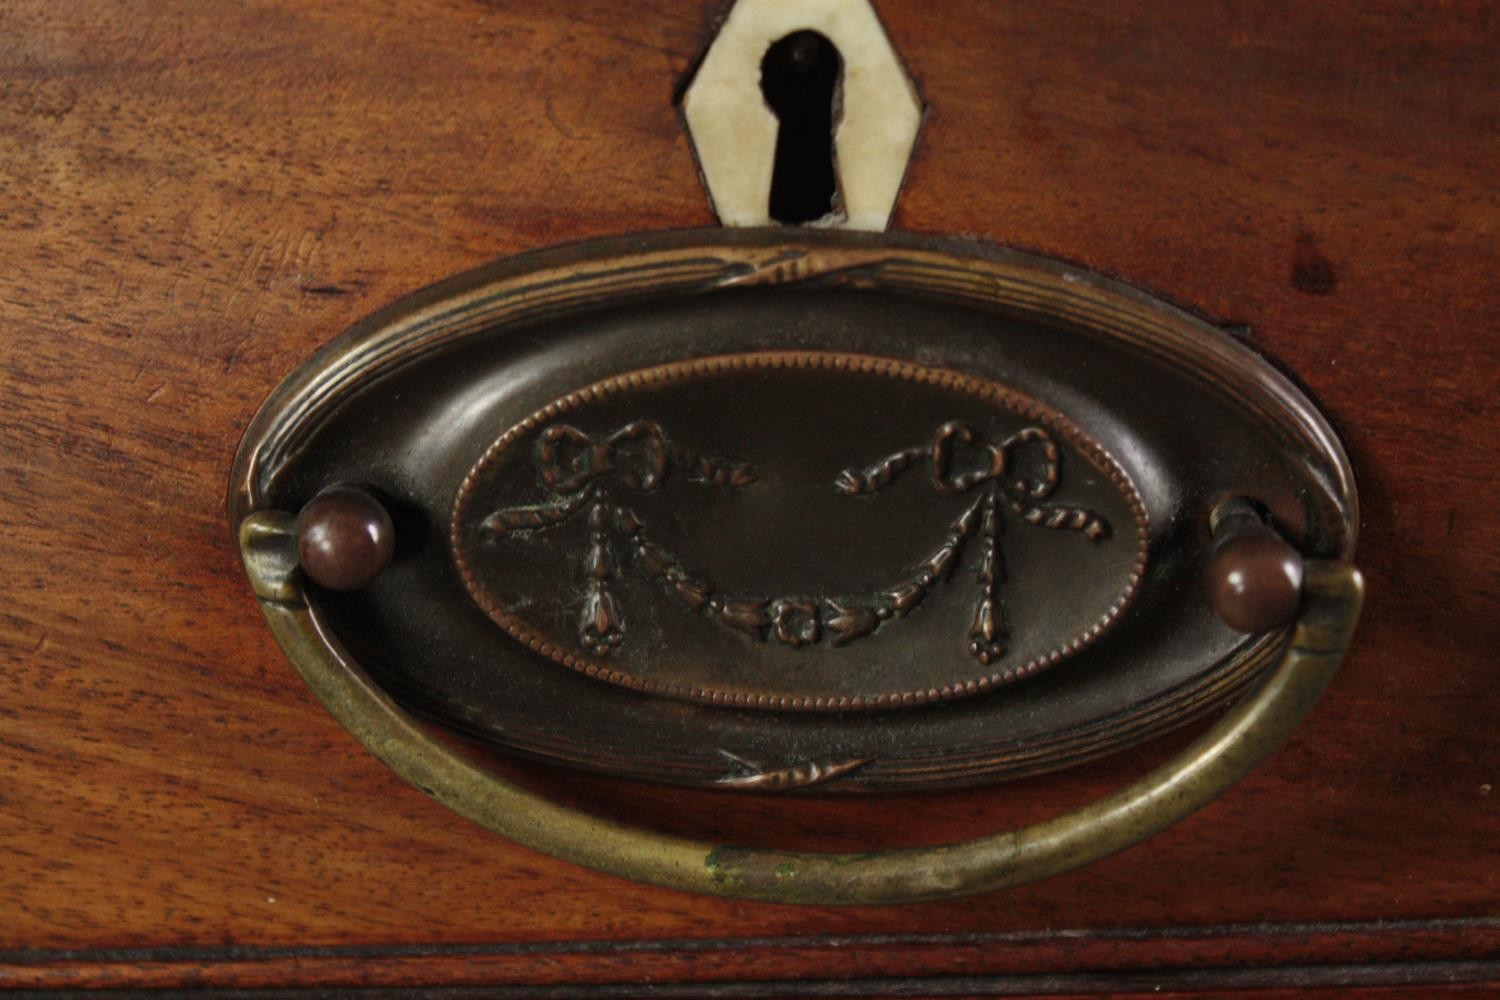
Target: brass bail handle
column 1256, row 581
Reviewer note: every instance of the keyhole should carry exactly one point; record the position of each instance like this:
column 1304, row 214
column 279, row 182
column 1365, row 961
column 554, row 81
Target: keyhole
column 799, row 77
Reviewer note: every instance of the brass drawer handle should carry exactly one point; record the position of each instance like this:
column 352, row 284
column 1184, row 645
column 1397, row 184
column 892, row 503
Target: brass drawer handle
column 863, row 512
column 1332, row 593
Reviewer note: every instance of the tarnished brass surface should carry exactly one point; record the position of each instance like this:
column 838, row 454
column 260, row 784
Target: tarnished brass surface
column 847, row 511
column 1239, row 741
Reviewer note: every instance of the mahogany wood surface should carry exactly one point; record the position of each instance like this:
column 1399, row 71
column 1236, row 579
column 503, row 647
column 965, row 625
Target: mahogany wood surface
column 196, row 194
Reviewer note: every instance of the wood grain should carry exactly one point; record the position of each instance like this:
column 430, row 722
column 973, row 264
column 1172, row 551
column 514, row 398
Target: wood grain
column 1336, row 954
column 195, row 194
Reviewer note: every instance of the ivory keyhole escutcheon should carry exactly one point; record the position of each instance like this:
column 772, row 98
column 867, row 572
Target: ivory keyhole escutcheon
column 802, row 114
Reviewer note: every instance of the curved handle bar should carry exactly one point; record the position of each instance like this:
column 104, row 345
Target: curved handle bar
column 1332, row 595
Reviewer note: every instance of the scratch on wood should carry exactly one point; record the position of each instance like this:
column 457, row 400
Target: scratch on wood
column 557, row 122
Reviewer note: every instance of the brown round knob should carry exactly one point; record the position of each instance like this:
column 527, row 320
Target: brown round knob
column 1255, row 583
column 344, row 538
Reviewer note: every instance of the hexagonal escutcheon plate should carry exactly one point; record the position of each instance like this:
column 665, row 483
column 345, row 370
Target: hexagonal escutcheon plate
column 735, row 132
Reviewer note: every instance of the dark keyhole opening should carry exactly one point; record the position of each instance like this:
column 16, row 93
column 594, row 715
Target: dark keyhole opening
column 799, row 77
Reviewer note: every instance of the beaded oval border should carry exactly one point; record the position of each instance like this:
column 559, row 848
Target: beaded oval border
column 1006, row 398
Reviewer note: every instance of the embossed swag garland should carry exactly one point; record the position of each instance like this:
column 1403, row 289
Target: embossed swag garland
column 581, row 472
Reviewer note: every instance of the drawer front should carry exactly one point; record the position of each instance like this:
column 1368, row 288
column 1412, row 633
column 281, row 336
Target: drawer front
column 200, row 195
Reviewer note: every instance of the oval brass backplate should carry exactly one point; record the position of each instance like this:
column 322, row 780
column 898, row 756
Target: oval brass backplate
column 738, row 509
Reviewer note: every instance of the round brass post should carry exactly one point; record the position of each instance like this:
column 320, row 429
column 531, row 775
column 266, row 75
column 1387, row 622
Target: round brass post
column 1254, row 576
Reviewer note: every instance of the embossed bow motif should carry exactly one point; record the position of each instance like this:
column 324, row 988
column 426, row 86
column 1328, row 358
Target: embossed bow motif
column 1018, row 472
column 636, row 455
column 960, row 459
column 580, row 468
